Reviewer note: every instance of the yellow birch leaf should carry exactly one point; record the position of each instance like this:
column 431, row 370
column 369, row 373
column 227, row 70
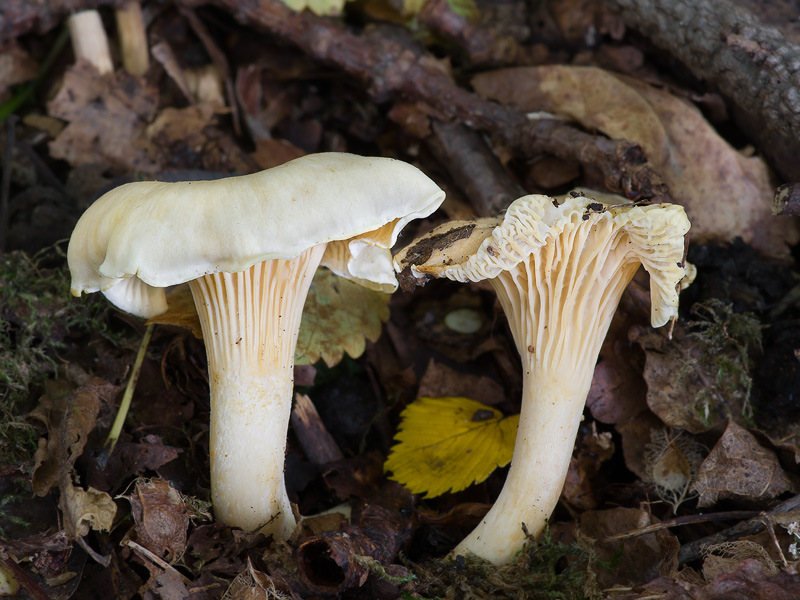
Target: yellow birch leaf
column 447, row 444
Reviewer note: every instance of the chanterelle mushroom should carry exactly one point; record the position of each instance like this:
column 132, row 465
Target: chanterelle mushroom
column 559, row 271
column 249, row 246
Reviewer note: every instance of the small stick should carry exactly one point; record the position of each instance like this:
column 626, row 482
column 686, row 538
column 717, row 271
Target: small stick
column 685, row 520
column 693, row 550
column 154, row 558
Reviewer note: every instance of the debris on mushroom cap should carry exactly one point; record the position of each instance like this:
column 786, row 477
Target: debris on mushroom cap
column 654, row 231
column 150, row 235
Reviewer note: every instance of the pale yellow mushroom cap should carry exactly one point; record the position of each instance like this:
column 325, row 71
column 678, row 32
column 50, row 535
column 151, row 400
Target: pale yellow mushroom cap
column 142, row 237
column 654, row 235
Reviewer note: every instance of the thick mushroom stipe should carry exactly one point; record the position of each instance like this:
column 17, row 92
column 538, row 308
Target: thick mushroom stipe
column 250, row 322
column 559, row 271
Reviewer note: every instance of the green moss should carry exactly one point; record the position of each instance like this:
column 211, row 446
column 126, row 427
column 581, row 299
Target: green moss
column 545, row 569
column 38, row 316
column 727, row 343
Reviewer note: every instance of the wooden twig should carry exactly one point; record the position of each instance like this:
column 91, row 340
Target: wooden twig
column 727, row 46
column 694, row 550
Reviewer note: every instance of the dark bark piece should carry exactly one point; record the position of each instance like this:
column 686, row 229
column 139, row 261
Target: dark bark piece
column 394, row 68
column 332, row 562
column 729, row 47
column 475, row 168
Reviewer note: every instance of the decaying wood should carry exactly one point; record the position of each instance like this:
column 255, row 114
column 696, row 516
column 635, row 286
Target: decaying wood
column 333, row 562
column 729, row 47
column 392, row 68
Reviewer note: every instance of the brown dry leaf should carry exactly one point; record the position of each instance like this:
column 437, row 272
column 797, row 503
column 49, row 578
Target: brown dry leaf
column 188, row 138
column 681, row 388
column 16, row 66
column 271, row 152
column 750, row 580
column 618, row 390
column 726, row 194
column 440, row 380
column 636, row 435
column 252, row 584
column 719, row 559
column 739, row 468
column 82, row 510
column 132, row 458
column 592, row 451
column 161, row 517
column 69, row 418
column 107, row 117
column 181, row 311
column 635, row 560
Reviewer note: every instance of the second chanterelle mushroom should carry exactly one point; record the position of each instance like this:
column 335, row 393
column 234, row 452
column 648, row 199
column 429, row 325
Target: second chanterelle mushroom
column 249, row 247
column 559, row 270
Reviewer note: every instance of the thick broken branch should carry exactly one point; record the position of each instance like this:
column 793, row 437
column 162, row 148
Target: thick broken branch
column 727, row 46
column 393, row 68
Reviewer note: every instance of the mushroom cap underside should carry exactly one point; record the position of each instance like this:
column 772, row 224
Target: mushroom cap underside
column 168, row 233
column 483, row 248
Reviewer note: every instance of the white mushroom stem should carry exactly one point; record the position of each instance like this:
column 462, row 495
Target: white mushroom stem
column 89, row 40
column 250, row 322
column 559, row 303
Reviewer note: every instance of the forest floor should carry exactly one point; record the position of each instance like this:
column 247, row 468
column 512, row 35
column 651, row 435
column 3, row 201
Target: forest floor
column 684, row 480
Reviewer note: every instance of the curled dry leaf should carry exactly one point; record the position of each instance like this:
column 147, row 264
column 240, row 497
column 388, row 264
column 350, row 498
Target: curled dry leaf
column 725, row 193
column 161, row 517
column 739, row 468
column 69, row 419
column 82, row 510
column 447, row 444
